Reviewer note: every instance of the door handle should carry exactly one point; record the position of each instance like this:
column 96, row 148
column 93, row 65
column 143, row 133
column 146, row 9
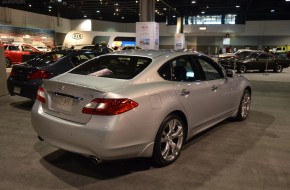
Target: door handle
column 184, row 92
column 214, row 88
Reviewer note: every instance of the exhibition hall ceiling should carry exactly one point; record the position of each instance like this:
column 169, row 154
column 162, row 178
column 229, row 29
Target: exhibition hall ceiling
column 127, row 11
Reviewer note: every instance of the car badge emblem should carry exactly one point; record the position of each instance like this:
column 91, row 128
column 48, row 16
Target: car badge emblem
column 62, row 87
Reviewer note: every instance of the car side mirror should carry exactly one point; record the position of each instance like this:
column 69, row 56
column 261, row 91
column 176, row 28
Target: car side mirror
column 230, row 73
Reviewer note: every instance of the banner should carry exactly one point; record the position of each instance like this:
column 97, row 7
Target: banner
column 179, row 41
column 147, row 35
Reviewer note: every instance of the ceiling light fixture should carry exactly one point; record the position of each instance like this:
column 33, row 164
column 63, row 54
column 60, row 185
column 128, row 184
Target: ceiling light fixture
column 238, row 6
column 193, row 2
column 272, row 10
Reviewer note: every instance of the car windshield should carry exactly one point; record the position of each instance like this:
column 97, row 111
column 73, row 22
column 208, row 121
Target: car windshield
column 243, row 53
column 47, row 58
column 253, row 55
column 119, row 67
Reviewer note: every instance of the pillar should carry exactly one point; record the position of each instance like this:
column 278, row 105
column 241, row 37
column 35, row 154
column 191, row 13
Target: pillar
column 147, row 11
column 3, row 76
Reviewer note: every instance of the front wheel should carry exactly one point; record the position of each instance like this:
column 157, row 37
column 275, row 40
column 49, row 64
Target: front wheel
column 278, row 68
column 244, row 107
column 168, row 141
column 242, row 68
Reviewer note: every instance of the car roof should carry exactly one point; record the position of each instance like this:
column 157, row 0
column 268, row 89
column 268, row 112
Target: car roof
column 73, row 51
column 152, row 53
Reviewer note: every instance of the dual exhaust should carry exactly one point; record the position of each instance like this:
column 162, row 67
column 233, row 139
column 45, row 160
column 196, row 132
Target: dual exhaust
column 94, row 159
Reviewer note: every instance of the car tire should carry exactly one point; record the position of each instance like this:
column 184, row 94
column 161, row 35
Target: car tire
column 8, row 63
column 242, row 68
column 168, row 141
column 244, row 106
column 278, row 68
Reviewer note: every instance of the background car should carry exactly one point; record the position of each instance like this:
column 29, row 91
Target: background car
column 18, row 53
column 89, row 47
column 43, row 48
column 25, row 78
column 127, row 48
column 257, row 60
column 84, row 46
column 241, row 53
column 137, row 104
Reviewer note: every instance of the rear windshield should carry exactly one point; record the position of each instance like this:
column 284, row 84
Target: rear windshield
column 119, row 67
column 47, row 58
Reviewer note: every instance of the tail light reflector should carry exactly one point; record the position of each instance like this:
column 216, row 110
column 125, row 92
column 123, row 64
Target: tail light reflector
column 40, row 95
column 39, row 74
column 109, row 106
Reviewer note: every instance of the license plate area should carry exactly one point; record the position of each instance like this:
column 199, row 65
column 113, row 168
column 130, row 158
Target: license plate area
column 17, row 90
column 62, row 103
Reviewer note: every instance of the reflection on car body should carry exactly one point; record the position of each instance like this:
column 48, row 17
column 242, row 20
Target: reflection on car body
column 148, row 105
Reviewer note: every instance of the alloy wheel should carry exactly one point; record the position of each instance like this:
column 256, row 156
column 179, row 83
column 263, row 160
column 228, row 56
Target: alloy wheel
column 278, row 68
column 245, row 106
column 171, row 140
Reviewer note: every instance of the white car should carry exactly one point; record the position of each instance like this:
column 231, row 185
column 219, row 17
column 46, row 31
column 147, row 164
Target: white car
column 140, row 103
column 43, row 48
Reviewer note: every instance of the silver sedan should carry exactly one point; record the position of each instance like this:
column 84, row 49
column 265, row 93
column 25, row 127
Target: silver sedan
column 139, row 103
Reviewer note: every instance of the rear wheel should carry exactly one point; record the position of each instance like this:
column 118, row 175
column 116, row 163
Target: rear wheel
column 8, row 62
column 242, row 68
column 278, row 68
column 168, row 141
column 244, row 107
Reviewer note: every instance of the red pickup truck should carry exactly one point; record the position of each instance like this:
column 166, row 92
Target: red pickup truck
column 18, row 53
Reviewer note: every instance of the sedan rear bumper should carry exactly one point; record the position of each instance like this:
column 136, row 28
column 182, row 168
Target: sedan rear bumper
column 24, row 89
column 94, row 138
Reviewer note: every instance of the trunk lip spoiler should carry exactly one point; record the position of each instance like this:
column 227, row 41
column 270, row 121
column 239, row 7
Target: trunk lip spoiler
column 66, row 95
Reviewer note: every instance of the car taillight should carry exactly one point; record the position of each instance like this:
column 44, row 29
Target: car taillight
column 40, row 95
column 109, row 106
column 39, row 74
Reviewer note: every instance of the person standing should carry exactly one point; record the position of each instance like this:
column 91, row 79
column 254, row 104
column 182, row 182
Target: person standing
column 104, row 48
column 97, row 47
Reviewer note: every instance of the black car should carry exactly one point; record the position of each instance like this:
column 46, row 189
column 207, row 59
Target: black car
column 25, row 78
column 257, row 61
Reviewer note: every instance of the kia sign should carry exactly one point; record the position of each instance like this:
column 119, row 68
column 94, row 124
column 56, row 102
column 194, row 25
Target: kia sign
column 77, row 36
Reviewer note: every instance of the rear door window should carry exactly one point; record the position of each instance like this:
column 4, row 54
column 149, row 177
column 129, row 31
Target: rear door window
column 179, row 69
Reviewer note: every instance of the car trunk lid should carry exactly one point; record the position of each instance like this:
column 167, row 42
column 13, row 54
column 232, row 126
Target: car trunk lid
column 67, row 95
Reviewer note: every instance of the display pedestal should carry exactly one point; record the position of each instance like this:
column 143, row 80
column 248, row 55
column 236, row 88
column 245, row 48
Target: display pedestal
column 3, row 76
